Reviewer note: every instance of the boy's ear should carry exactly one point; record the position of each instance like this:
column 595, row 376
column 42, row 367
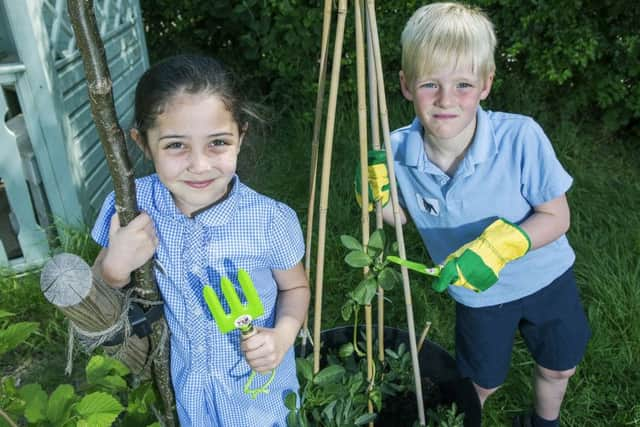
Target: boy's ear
column 137, row 137
column 406, row 91
column 487, row 86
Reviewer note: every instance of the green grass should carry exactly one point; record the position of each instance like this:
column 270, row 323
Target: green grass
column 605, row 232
column 43, row 358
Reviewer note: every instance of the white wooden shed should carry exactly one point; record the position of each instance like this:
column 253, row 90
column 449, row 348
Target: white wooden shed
column 51, row 162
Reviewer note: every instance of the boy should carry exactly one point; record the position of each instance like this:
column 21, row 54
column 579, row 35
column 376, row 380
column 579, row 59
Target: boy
column 487, row 195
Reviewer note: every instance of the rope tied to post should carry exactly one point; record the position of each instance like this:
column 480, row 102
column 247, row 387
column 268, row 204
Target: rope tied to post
column 132, row 320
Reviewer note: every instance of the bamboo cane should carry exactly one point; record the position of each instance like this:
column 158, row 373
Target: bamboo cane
column 364, row 185
column 375, row 142
column 326, row 175
column 112, row 139
column 396, row 209
column 322, row 76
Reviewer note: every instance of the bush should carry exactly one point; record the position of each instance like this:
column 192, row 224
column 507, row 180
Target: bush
column 578, row 57
column 575, row 59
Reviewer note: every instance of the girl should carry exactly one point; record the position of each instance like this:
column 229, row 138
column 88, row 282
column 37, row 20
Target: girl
column 201, row 223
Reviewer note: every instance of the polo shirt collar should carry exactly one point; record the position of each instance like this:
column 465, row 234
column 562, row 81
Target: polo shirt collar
column 413, row 147
column 216, row 215
column 482, row 148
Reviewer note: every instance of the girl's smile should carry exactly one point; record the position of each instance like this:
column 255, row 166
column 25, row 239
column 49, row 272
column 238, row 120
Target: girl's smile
column 194, row 145
column 199, row 184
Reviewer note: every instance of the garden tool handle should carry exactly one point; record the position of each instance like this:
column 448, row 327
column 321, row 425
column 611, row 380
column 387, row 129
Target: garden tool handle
column 246, row 331
column 416, row 266
column 254, row 392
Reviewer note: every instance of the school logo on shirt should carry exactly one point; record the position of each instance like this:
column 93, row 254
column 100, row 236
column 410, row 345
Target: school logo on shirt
column 428, row 205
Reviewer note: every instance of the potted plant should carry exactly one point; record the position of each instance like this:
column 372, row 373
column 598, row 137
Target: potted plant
column 340, row 393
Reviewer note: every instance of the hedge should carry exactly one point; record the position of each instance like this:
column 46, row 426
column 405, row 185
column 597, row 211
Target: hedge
column 570, row 58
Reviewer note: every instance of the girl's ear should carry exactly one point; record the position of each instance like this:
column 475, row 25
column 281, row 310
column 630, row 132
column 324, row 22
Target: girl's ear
column 243, row 132
column 139, row 140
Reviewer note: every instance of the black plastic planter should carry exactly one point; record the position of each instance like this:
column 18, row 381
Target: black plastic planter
column 437, row 367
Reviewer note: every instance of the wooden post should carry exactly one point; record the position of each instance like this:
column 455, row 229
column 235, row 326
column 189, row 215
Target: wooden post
column 69, row 283
column 112, row 138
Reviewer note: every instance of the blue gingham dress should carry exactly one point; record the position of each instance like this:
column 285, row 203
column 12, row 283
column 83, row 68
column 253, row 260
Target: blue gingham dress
column 246, row 230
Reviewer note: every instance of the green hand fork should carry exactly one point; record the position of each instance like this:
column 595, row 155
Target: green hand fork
column 240, row 317
column 416, row 266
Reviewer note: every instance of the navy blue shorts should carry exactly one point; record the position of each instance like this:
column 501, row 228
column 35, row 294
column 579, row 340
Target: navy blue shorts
column 551, row 321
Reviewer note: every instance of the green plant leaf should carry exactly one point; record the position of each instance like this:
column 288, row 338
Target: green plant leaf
column 345, row 350
column 358, row 259
column 141, row 398
column 376, row 241
column 376, row 397
column 100, row 366
column 290, row 401
column 365, row 419
column 304, row 368
column 329, row 411
column 5, row 314
column 35, row 402
column 107, row 372
column 365, row 291
column 15, row 335
column 347, row 309
column 292, row 419
column 387, row 278
column 9, row 386
column 59, row 406
column 351, row 243
column 99, row 409
column 357, row 386
column 328, row 375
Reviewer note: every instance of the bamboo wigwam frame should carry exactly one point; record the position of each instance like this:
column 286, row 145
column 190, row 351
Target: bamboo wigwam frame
column 378, row 116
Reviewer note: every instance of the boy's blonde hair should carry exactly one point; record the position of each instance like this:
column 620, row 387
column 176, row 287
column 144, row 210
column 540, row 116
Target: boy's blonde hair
column 442, row 35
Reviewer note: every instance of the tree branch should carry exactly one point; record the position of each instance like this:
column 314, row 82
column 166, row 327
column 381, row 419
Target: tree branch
column 114, row 144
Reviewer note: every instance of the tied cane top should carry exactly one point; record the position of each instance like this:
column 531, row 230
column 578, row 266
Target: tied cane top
column 245, row 230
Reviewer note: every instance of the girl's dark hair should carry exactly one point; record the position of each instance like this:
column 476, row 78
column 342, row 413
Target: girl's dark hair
column 190, row 74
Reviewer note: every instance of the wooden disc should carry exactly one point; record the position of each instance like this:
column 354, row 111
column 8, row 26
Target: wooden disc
column 66, row 280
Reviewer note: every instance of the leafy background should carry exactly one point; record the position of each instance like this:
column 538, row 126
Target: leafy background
column 577, row 58
column 572, row 65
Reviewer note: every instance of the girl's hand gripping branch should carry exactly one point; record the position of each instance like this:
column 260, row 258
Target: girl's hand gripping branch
column 378, row 179
column 477, row 264
column 129, row 248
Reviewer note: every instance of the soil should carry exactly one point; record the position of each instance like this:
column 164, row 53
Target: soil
column 401, row 411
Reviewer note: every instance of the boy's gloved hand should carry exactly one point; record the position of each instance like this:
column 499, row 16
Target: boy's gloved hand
column 477, row 264
column 378, row 179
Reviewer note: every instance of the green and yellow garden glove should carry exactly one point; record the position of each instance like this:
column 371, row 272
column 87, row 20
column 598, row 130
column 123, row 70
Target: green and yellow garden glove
column 378, row 179
column 477, row 264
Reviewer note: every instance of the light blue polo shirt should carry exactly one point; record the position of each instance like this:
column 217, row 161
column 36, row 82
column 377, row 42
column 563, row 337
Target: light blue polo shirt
column 509, row 168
